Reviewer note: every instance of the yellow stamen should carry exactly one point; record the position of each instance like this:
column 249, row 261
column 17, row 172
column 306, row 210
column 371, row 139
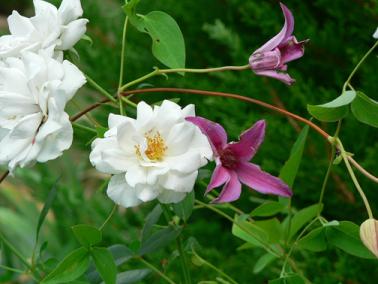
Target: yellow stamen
column 155, row 147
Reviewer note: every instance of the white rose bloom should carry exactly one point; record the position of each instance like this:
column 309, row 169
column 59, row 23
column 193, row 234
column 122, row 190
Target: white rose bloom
column 156, row 155
column 34, row 90
column 50, row 26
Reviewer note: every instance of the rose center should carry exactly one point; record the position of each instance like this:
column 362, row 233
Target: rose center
column 228, row 159
column 155, row 147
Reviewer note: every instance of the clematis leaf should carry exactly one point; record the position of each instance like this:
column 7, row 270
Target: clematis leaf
column 302, row 217
column 70, row 268
column 268, row 209
column 365, row 109
column 263, row 262
column 132, row 276
column 346, row 236
column 87, row 235
column 105, row 264
column 290, row 169
column 334, row 110
column 289, row 278
column 151, row 219
column 184, row 208
column 314, row 241
column 168, row 45
column 159, row 240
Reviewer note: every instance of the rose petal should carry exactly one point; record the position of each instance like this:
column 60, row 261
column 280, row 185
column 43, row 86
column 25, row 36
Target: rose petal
column 252, row 176
column 121, row 193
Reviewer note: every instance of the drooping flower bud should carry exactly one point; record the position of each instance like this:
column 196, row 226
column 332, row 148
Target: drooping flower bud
column 369, row 235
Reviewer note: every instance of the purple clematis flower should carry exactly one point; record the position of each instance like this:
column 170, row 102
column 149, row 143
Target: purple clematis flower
column 270, row 59
column 232, row 162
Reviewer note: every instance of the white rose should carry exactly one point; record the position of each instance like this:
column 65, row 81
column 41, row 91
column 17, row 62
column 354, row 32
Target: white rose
column 156, row 155
column 34, row 90
column 50, row 26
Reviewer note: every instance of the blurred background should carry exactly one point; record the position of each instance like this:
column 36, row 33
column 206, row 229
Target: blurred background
column 217, row 33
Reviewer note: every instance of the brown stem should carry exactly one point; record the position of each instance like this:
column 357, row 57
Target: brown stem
column 3, row 177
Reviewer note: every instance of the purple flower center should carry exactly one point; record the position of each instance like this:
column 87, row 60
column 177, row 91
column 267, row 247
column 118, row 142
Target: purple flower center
column 268, row 60
column 228, row 159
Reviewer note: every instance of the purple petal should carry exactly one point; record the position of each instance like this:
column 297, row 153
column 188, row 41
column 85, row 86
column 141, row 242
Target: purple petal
column 286, row 31
column 215, row 132
column 252, row 176
column 231, row 191
column 283, row 77
column 219, row 177
column 250, row 141
column 292, row 49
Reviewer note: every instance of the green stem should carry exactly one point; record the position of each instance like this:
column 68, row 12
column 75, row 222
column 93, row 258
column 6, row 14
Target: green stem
column 83, row 127
column 109, row 217
column 130, row 103
column 157, row 271
column 295, row 244
column 122, row 67
column 205, row 262
column 221, row 213
column 100, row 89
column 182, row 70
column 344, row 154
column 180, row 248
column 330, row 164
column 358, row 65
column 12, row 269
column 15, row 251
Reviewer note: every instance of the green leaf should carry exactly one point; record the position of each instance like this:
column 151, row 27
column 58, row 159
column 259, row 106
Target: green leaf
column 314, row 241
column 87, row 235
column 151, row 219
column 121, row 253
column 302, row 217
column 184, row 208
column 268, row 209
column 168, row 44
column 346, row 237
column 334, row 110
column 258, row 233
column 105, row 264
column 262, row 262
column 290, row 169
column 365, row 109
column 70, row 268
column 159, row 240
column 132, row 276
column 46, row 208
column 290, row 278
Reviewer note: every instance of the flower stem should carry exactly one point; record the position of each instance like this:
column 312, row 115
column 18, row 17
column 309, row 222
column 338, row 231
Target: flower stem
column 358, row 65
column 12, row 269
column 344, row 154
column 83, row 127
column 180, row 248
column 100, row 89
column 183, row 70
column 157, row 271
column 205, row 262
column 109, row 217
column 122, row 66
column 330, row 164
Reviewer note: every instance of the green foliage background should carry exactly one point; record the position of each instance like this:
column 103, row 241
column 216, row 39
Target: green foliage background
column 217, row 33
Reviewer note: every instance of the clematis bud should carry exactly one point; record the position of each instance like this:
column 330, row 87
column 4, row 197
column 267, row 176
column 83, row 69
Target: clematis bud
column 369, row 235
